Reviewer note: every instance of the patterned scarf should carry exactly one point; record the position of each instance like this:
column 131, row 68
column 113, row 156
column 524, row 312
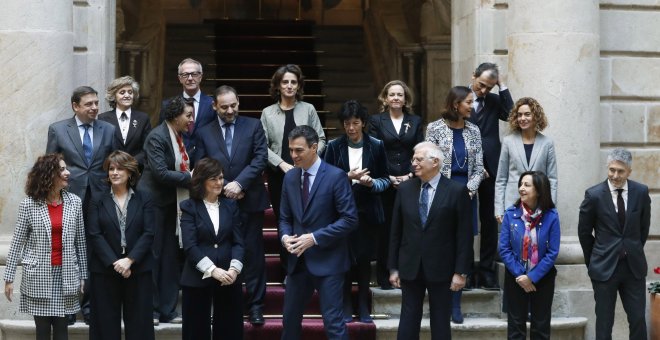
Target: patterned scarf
column 530, row 246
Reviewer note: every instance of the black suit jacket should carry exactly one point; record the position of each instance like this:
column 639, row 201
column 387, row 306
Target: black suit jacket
column 398, row 146
column 200, row 240
column 495, row 108
column 248, row 159
column 104, row 235
column 160, row 178
column 603, row 248
column 367, row 200
column 443, row 246
column 138, row 129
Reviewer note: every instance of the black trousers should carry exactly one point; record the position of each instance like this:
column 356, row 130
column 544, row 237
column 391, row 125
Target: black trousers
column 633, row 299
column 538, row 303
column 111, row 295
column 196, row 303
column 383, row 238
column 412, row 301
column 167, row 271
column 46, row 324
column 489, row 237
column 254, row 269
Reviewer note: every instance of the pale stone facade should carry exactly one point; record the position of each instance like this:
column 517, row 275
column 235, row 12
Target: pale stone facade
column 591, row 64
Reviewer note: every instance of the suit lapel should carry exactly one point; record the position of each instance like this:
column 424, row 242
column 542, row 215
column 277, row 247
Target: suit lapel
column 320, row 174
column 109, row 205
column 520, row 151
column 414, row 202
column 74, row 134
column 221, row 139
column 343, row 163
column 206, row 219
column 98, row 136
column 388, row 125
column 439, row 195
column 112, row 116
column 296, row 192
column 366, row 151
column 132, row 209
column 609, row 205
column 238, row 127
column 539, row 142
column 132, row 128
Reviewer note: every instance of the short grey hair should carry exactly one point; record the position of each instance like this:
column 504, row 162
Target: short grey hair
column 621, row 155
column 189, row 61
column 432, row 150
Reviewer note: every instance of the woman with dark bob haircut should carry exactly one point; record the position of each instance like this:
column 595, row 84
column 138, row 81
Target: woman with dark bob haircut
column 529, row 245
column 363, row 158
column 49, row 240
column 166, row 179
column 462, row 156
column 213, row 244
column 120, row 230
column 288, row 111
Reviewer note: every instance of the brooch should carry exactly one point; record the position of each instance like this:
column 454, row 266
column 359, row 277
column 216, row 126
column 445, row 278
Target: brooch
column 407, row 125
column 135, row 123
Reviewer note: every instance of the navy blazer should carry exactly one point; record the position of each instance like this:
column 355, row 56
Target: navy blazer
column 495, row 108
column 330, row 216
column 548, row 233
column 600, row 234
column 248, row 159
column 398, row 146
column 443, row 246
column 205, row 115
column 367, row 199
column 160, row 178
column 138, row 129
column 64, row 137
column 200, row 239
column 104, row 236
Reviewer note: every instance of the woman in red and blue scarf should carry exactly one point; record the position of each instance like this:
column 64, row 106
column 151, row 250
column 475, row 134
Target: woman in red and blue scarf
column 529, row 244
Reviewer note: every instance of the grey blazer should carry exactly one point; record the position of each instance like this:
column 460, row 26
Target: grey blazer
column 32, row 245
column 513, row 163
column 64, row 137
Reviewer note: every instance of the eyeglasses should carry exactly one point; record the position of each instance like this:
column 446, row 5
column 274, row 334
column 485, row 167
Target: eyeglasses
column 419, row 159
column 188, row 74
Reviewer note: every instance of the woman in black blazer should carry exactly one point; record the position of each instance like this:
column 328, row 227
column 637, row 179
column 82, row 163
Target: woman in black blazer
column 166, row 178
column 363, row 159
column 213, row 243
column 400, row 130
column 120, row 232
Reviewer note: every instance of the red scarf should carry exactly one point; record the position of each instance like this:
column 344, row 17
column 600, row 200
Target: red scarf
column 184, row 154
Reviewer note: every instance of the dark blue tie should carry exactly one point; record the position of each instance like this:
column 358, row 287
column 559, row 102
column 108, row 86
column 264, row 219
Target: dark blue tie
column 424, row 203
column 87, row 144
column 305, row 189
column 228, row 137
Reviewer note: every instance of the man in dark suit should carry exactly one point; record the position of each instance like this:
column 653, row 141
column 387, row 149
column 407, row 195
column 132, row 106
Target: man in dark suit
column 488, row 109
column 614, row 223
column 239, row 144
column 85, row 143
column 131, row 126
column 317, row 213
column 430, row 243
column 190, row 76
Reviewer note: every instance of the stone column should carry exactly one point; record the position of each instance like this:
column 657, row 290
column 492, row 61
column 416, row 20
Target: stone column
column 554, row 58
column 36, row 55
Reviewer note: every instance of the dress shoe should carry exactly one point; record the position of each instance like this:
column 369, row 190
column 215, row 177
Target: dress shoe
column 456, row 316
column 176, row 320
column 366, row 318
column 489, row 283
column 70, row 319
column 257, row 318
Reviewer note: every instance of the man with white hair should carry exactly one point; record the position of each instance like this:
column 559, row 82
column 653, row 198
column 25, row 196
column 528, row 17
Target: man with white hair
column 430, row 243
column 614, row 223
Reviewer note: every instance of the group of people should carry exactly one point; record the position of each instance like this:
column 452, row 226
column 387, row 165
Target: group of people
column 129, row 216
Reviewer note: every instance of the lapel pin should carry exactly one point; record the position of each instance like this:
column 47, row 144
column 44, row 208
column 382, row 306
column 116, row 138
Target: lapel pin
column 135, row 123
column 407, row 125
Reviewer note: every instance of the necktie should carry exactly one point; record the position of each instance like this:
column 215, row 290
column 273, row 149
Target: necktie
column 87, row 144
column 621, row 208
column 480, row 104
column 191, row 127
column 123, row 117
column 305, row 189
column 424, row 203
column 228, row 137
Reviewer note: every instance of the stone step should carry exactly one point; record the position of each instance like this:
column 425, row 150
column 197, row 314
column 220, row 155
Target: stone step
column 485, row 328
column 477, row 303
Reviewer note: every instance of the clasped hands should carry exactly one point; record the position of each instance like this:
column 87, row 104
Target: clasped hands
column 123, row 267
column 362, row 176
column 226, row 277
column 233, row 191
column 297, row 245
column 525, row 283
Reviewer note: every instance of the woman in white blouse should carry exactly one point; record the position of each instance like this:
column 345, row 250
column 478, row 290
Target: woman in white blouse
column 213, row 243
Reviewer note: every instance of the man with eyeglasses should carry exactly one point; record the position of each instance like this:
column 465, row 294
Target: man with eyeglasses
column 430, row 243
column 190, row 76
